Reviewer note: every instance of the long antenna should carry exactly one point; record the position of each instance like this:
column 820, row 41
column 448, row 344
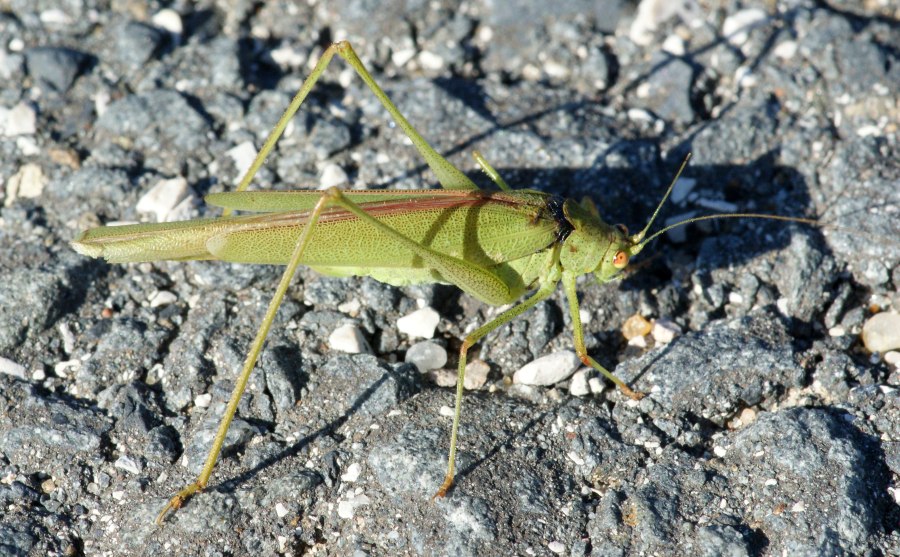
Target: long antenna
column 636, row 239
column 640, row 242
column 802, row 220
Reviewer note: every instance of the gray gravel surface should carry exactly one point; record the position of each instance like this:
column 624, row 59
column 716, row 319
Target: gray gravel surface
column 768, row 429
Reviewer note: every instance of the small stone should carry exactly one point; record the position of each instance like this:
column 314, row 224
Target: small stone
column 678, row 235
column 162, row 298
column 683, row 188
column 28, row 182
column 287, row 58
column 162, row 199
column 68, row 337
column 638, row 342
column 881, row 332
column 650, row 14
column 578, row 385
column 736, row 27
column 426, row 356
column 596, row 385
column 127, row 464
column 443, row 377
column 557, row 547
column 169, row 20
column 402, row 55
column 665, row 330
column 347, row 508
column 19, row 120
column 636, row 326
column 420, row 323
column 55, row 68
column 430, row 60
column 352, row 473
column 348, row 338
column 674, row 45
column 892, row 358
column 785, row 50
column 333, row 175
column 242, row 155
column 12, row 368
column 203, row 401
column 280, row 510
column 548, row 370
column 476, row 374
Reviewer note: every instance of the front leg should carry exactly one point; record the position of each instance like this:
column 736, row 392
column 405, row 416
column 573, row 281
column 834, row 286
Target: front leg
column 568, row 282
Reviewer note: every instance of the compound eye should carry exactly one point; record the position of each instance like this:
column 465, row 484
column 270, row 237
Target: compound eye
column 620, row 260
column 623, row 228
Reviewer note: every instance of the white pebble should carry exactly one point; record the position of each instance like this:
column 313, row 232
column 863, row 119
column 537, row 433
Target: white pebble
column 403, row 55
column 163, row 197
column 55, row 17
column 27, row 146
column 28, row 182
column 12, row 368
column 650, row 14
column 557, row 547
column 892, row 358
column 170, row 20
column 578, row 385
column 19, row 120
column 575, row 457
column 664, row 331
column 785, row 50
column 420, row 323
column 128, row 464
column 674, row 45
column 203, row 401
column 881, row 332
column 596, row 385
column 63, row 369
column 548, row 370
column 243, row 156
column 333, row 175
column 638, row 342
column 68, row 337
column 783, row 306
column 346, row 509
column 430, row 60
column 352, row 473
column 426, row 356
column 736, row 27
column 280, row 510
column 287, row 58
column 348, row 338
column 162, row 298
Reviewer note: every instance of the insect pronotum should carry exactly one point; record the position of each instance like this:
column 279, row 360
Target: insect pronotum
column 495, row 246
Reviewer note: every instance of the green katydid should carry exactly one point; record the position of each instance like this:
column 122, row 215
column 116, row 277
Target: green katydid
column 495, row 246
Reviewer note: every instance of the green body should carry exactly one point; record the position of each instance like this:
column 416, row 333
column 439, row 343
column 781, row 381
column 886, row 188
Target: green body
column 511, row 234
